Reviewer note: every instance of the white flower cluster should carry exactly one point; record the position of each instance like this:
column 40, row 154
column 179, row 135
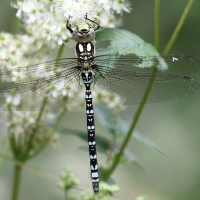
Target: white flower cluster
column 22, row 128
column 48, row 19
column 22, row 121
column 16, row 52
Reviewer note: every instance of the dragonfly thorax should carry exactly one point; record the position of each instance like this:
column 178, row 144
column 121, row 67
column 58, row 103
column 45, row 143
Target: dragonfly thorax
column 85, row 53
column 83, row 33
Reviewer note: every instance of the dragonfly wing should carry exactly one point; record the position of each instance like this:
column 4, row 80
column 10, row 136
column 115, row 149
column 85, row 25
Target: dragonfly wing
column 120, row 78
column 56, row 81
column 172, row 64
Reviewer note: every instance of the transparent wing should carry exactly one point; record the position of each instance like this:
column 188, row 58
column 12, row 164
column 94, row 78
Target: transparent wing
column 26, row 88
column 127, row 77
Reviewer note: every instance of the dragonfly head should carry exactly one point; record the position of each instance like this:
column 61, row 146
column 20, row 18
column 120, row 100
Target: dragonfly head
column 83, row 28
column 83, row 33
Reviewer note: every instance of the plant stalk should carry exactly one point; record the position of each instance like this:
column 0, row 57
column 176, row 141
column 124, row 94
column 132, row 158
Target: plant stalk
column 156, row 25
column 116, row 161
column 16, row 182
column 177, row 29
column 45, row 101
column 60, row 51
column 59, row 54
column 58, row 121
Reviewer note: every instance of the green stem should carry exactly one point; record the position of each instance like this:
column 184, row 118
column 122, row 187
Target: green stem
column 42, row 146
column 12, row 144
column 25, row 156
column 45, row 100
column 60, row 51
column 11, row 136
column 15, row 27
column 59, row 119
column 4, row 148
column 31, row 169
column 16, row 182
column 177, row 29
column 41, row 110
column 156, row 25
column 113, row 166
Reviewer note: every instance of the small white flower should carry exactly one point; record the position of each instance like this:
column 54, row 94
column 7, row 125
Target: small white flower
column 55, row 93
column 16, row 100
column 9, row 99
column 120, row 6
column 64, row 92
column 44, row 18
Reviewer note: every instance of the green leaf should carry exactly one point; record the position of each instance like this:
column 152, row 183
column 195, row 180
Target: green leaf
column 128, row 157
column 110, row 180
column 145, row 140
column 123, row 124
column 107, row 120
column 124, row 42
column 103, row 143
column 118, row 126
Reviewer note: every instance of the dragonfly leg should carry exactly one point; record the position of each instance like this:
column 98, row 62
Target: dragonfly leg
column 68, row 26
column 97, row 27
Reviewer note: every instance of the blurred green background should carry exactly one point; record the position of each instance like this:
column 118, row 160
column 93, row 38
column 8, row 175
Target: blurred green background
column 173, row 125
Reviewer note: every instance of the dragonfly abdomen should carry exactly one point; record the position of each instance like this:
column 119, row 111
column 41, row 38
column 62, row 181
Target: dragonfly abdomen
column 87, row 79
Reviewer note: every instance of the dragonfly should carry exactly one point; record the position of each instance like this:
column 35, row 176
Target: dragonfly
column 59, row 81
